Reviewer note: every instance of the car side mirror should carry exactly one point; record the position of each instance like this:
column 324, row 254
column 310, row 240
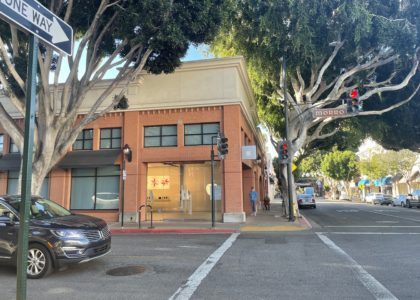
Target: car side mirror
column 5, row 221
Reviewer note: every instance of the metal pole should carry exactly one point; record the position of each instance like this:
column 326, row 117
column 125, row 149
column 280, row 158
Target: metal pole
column 123, row 192
column 213, row 206
column 22, row 259
column 289, row 162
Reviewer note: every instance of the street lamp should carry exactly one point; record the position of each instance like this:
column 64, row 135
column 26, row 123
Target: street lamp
column 127, row 155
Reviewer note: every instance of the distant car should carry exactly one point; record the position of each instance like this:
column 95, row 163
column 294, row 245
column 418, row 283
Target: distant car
column 413, row 199
column 306, row 200
column 399, row 200
column 388, row 199
column 56, row 236
column 379, row 198
column 344, row 196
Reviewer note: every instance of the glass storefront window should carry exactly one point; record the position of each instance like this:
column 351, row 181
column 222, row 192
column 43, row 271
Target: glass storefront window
column 183, row 190
column 13, row 181
column 95, row 188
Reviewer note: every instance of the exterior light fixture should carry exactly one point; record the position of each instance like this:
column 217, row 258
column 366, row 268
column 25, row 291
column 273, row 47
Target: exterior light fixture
column 127, row 152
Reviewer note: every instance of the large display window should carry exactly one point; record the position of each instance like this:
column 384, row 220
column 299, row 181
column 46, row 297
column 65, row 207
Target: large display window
column 183, row 190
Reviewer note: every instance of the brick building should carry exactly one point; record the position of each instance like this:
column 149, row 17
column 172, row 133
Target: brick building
column 169, row 127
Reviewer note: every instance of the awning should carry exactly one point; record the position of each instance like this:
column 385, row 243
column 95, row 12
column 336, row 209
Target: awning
column 10, row 162
column 89, row 159
column 387, row 180
column 362, row 183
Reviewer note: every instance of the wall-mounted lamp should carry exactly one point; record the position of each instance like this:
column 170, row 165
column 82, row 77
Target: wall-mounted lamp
column 127, row 152
column 127, row 156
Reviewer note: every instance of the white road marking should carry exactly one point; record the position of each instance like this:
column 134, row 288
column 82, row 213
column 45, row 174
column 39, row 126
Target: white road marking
column 371, row 284
column 388, row 215
column 187, row 290
column 371, row 233
column 388, row 222
column 373, row 226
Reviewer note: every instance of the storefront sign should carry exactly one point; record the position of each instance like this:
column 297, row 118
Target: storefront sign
column 249, row 152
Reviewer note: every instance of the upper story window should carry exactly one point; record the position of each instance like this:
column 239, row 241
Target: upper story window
column 1, row 143
column 110, row 138
column 160, row 136
column 200, row 134
column 84, row 140
column 13, row 148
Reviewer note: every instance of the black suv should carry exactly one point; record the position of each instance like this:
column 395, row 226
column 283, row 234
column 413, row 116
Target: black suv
column 56, row 236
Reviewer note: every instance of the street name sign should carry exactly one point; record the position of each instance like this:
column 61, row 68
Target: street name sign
column 35, row 18
column 329, row 112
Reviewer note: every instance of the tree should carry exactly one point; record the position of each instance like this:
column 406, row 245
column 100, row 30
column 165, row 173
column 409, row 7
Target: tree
column 340, row 166
column 331, row 47
column 131, row 35
column 387, row 163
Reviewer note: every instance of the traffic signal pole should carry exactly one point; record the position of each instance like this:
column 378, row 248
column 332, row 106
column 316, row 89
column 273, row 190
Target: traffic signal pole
column 289, row 161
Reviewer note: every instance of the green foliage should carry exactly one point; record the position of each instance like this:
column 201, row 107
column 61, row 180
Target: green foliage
column 312, row 163
column 340, row 165
column 167, row 27
column 264, row 31
column 387, row 163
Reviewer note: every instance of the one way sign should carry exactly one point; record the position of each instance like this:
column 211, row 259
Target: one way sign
column 35, row 18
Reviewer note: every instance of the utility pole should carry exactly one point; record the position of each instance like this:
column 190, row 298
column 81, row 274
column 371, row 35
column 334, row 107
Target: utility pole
column 289, row 161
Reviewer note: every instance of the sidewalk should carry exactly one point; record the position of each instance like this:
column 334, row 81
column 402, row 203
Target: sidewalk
column 271, row 220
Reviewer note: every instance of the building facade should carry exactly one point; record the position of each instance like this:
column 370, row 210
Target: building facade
column 170, row 125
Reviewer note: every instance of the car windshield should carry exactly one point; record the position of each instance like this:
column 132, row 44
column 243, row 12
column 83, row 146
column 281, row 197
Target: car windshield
column 42, row 209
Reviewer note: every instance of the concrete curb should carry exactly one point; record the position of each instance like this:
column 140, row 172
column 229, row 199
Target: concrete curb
column 304, row 222
column 127, row 231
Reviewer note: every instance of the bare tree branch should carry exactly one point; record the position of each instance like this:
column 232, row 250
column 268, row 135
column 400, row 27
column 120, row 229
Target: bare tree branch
column 337, row 47
column 10, row 66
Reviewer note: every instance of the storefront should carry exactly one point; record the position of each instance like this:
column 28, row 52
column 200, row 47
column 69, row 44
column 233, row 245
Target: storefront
column 183, row 190
column 170, row 126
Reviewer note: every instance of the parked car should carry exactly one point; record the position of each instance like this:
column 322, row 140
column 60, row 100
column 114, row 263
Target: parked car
column 344, row 196
column 413, row 199
column 56, row 236
column 379, row 198
column 306, row 200
column 399, row 200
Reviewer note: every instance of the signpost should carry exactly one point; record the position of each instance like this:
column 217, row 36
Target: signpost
column 36, row 19
column 329, row 112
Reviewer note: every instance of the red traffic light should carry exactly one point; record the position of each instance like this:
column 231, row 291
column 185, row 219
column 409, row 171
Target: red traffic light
column 284, row 146
column 354, row 94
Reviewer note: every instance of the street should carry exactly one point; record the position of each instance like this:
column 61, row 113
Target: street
column 353, row 251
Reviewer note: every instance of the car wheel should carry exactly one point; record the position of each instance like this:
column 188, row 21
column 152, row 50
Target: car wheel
column 314, row 206
column 408, row 204
column 39, row 262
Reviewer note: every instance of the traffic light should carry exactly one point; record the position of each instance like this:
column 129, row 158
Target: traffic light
column 222, row 146
column 356, row 104
column 284, row 152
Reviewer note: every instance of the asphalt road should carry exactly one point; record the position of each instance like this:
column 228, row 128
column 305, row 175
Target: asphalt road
column 353, row 251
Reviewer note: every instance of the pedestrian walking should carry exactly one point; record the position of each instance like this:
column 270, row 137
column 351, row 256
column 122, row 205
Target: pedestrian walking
column 253, row 199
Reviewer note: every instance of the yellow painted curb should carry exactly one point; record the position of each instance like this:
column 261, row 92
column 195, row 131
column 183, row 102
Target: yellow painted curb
column 272, row 228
